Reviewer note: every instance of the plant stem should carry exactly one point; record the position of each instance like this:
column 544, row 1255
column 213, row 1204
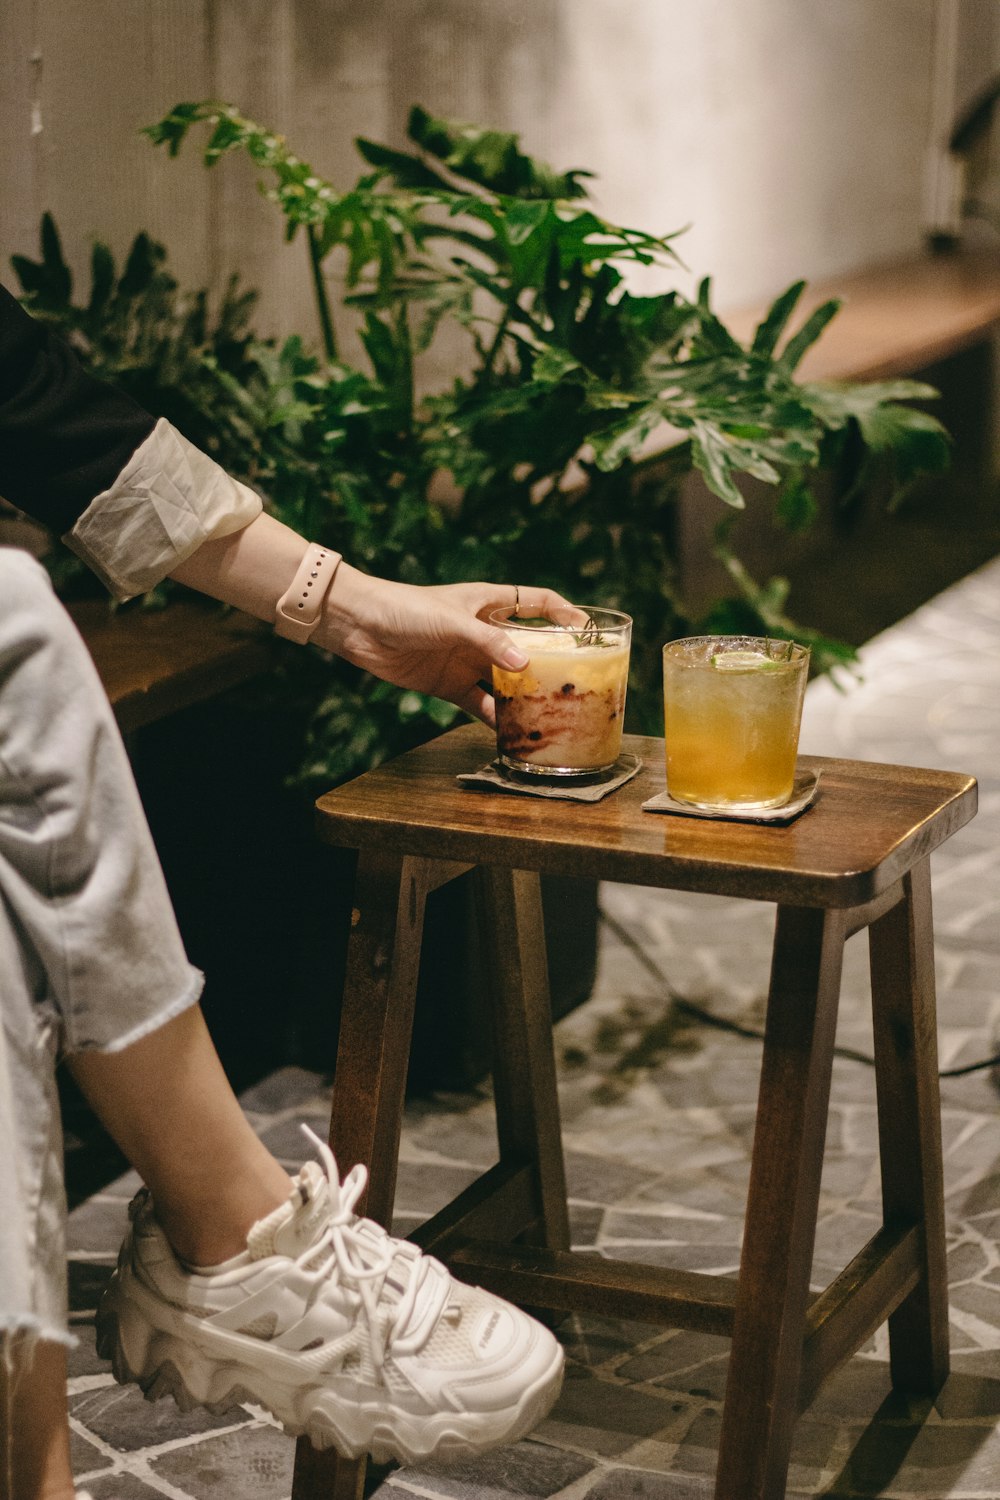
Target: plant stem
column 498, row 337
column 322, row 300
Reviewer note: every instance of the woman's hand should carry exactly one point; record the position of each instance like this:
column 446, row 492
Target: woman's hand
column 434, row 639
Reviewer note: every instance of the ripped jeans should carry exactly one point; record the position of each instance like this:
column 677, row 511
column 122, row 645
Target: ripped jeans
column 90, row 954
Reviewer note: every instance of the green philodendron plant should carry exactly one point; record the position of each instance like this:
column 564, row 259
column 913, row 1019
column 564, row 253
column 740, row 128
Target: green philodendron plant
column 532, row 463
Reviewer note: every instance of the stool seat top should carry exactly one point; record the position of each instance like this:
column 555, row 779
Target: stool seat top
column 869, row 824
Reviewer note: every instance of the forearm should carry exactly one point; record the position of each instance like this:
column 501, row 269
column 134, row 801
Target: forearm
column 434, row 639
column 252, row 568
column 249, row 569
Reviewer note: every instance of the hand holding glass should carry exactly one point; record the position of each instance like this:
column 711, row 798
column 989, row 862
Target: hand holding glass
column 562, row 715
column 733, row 705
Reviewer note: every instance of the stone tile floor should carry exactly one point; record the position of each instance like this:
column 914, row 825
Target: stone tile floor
column 658, row 1113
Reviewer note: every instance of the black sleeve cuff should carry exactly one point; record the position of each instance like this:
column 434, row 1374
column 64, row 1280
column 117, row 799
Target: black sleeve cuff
column 64, row 436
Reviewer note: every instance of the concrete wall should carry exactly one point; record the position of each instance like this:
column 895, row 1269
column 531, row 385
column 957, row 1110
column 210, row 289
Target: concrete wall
column 790, row 134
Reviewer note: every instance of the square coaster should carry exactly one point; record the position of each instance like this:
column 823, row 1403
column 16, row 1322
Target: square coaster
column 804, row 790
column 497, row 778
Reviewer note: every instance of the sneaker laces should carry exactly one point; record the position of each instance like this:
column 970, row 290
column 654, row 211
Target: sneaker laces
column 361, row 1255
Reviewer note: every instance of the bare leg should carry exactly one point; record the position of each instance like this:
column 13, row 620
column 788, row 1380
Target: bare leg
column 33, row 1400
column 168, row 1104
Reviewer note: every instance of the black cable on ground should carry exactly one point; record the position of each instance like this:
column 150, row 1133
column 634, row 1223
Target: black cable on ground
column 753, row 1033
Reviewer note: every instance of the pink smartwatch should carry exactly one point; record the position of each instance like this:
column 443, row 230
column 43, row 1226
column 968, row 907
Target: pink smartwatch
column 300, row 606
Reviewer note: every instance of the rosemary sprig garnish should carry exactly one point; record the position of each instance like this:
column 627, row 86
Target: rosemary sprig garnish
column 591, row 634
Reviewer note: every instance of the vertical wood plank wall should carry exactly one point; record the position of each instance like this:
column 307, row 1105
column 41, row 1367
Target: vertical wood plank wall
column 790, row 133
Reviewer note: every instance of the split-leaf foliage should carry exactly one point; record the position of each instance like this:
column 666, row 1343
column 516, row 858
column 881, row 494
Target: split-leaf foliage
column 532, row 463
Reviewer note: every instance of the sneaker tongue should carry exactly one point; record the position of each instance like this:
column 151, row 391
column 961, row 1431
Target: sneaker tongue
column 296, row 1225
column 293, row 1226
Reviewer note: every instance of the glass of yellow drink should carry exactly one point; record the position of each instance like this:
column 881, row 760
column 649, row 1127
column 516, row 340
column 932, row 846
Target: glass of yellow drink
column 733, row 705
column 562, row 715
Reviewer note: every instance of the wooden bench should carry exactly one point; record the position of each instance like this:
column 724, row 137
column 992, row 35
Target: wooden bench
column 897, row 318
column 857, row 570
column 155, row 662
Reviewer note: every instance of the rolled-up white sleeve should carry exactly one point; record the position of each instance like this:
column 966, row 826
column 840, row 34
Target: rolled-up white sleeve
column 169, row 499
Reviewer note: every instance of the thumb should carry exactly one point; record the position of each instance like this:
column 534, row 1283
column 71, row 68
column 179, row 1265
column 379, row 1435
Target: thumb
column 500, row 649
column 493, row 644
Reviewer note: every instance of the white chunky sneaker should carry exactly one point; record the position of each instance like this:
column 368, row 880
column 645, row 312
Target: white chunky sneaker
column 340, row 1331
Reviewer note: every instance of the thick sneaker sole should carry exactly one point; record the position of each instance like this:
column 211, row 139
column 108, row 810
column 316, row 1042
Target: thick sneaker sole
column 168, row 1352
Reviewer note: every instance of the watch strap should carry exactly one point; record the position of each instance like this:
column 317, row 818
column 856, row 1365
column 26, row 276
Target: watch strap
column 299, row 609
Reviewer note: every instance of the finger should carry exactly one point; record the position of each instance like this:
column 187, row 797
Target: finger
column 540, row 601
column 487, row 645
column 545, row 604
column 500, row 650
column 531, row 602
column 479, row 702
column 486, row 597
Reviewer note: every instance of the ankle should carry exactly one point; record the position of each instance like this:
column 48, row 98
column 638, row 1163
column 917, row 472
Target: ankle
column 208, row 1245
column 208, row 1232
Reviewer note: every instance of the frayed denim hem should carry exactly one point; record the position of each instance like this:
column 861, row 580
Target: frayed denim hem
column 184, row 1001
column 29, row 1331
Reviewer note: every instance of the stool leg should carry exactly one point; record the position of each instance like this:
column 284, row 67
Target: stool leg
column 909, row 1113
column 376, row 1024
column 321, row 1474
column 761, row 1401
column 509, row 904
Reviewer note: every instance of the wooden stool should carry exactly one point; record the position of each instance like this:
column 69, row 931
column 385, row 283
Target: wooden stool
column 858, row 858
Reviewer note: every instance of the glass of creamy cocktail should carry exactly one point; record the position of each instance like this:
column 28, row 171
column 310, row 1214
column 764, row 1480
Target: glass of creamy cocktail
column 562, row 715
column 732, row 707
